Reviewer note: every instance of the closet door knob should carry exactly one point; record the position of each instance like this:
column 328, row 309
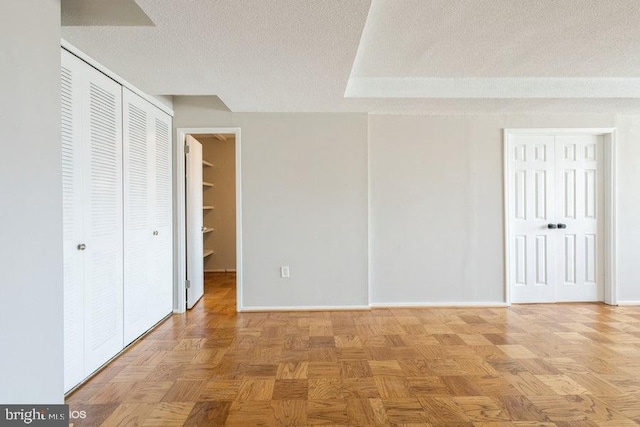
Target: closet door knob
column 155, row 233
column 552, row 226
column 82, row 247
column 562, row 225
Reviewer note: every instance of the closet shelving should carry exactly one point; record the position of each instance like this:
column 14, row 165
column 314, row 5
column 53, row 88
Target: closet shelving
column 206, row 185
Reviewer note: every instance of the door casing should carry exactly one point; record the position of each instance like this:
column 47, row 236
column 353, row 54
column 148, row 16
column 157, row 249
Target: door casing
column 610, row 231
column 180, row 258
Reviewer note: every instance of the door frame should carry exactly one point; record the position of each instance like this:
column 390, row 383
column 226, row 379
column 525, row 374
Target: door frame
column 180, row 231
column 610, row 203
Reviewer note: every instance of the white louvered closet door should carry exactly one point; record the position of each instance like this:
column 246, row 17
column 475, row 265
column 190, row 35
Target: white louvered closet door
column 102, row 135
column 148, row 260
column 118, row 271
column 162, row 263
column 138, row 227
column 73, row 218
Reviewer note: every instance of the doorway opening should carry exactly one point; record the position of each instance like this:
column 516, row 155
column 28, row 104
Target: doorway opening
column 209, row 212
column 560, row 215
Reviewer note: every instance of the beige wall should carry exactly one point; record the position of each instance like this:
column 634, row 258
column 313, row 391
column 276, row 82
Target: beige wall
column 304, row 180
column 435, row 204
column 200, row 111
column 223, row 197
column 31, row 294
column 304, row 196
column 628, row 206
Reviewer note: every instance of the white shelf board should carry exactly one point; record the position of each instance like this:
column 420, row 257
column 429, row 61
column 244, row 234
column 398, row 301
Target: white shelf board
column 207, row 252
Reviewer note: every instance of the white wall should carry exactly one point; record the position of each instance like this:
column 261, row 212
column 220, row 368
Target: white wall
column 436, row 204
column 31, row 307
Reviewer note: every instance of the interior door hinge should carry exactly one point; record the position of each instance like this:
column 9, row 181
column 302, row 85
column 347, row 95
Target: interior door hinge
column 186, row 148
column 187, row 284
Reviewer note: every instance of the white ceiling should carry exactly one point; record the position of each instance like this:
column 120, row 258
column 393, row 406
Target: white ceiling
column 429, row 56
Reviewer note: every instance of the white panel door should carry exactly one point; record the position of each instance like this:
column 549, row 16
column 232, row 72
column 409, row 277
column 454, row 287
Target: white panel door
column 138, row 226
column 195, row 261
column 102, row 135
column 555, row 217
column 532, row 209
column 579, row 190
column 72, row 218
column 162, row 262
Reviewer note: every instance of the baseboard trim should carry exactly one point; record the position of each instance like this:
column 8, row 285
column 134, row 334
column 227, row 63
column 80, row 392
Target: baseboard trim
column 628, row 303
column 452, row 304
column 306, row 308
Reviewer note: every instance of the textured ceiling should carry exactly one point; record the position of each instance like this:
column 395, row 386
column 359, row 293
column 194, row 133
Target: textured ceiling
column 499, row 48
column 256, row 55
column 431, row 56
column 501, row 38
column 100, row 12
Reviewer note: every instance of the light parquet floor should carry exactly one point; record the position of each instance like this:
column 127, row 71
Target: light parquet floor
column 529, row 365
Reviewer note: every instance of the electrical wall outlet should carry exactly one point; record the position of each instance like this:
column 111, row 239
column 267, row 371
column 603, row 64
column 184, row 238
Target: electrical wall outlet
column 284, row 271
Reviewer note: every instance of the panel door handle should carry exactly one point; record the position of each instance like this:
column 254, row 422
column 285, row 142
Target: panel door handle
column 82, row 247
column 155, row 233
column 562, row 225
column 552, row 226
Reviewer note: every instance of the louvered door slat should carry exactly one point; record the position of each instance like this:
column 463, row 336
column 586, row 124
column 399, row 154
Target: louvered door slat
column 72, row 219
column 138, row 221
column 163, row 254
column 103, row 195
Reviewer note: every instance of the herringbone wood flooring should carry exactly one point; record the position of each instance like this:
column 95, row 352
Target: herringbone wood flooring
column 529, row 365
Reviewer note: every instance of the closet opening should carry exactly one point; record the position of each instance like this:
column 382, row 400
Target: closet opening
column 210, row 220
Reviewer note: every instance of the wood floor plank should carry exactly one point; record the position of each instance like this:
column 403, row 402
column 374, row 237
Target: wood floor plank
column 289, row 412
column 250, row 413
column 321, row 411
column 208, row 413
column 184, row 391
column 148, row 391
column 527, row 365
column 290, row 390
column 220, row 390
column 168, row 414
column 127, row 414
